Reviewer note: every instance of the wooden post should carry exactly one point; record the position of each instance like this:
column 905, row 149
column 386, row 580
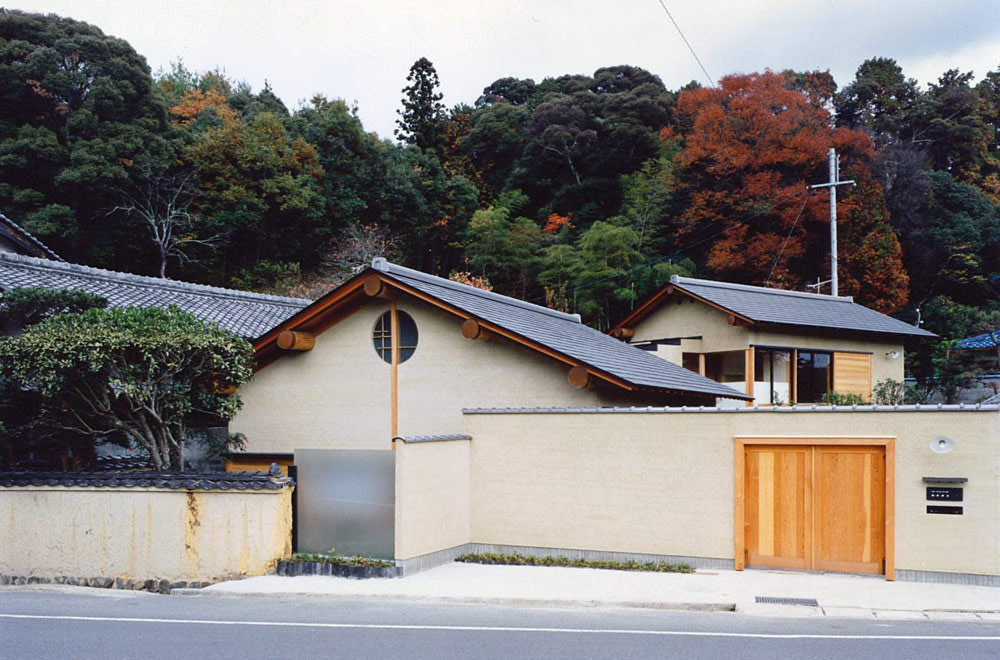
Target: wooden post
column 394, row 338
column 293, row 340
column 749, row 373
column 701, row 364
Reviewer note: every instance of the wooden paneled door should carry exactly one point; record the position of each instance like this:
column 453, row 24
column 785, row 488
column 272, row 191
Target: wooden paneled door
column 779, row 505
column 849, row 497
column 813, row 507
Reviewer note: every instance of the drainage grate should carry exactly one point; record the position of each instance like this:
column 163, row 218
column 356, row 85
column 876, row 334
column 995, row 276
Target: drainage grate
column 779, row 600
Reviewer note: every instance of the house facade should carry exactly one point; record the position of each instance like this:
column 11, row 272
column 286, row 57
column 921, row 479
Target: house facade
column 397, row 352
column 779, row 347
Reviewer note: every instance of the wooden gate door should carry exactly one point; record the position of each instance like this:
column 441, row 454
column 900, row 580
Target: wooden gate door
column 815, row 507
column 778, row 501
column 850, row 509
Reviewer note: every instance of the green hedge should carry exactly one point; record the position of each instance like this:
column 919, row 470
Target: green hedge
column 516, row 559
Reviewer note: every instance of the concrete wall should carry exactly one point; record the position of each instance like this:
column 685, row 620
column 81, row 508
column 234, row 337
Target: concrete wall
column 143, row 532
column 339, row 394
column 432, row 497
column 662, row 482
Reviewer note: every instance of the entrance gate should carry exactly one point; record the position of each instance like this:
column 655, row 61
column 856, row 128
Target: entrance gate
column 815, row 504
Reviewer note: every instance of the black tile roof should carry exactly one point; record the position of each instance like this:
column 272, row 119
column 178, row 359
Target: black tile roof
column 766, row 305
column 243, row 313
column 149, row 479
column 25, row 240
column 562, row 333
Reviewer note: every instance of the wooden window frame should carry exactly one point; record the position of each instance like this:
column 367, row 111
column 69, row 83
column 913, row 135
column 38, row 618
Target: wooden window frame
column 739, row 489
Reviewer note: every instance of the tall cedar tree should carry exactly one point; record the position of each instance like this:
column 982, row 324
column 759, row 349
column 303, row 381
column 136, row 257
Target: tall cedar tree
column 422, row 118
column 751, row 146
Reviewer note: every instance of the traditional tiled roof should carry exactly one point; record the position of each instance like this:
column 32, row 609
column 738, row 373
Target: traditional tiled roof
column 241, row 312
column 561, row 333
column 985, row 340
column 130, row 479
column 794, row 308
column 24, row 240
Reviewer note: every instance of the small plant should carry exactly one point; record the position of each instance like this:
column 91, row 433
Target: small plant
column 356, row 560
column 515, row 559
column 889, row 392
column 842, row 399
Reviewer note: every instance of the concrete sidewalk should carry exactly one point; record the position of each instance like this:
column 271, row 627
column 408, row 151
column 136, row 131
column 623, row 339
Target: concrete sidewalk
column 848, row 596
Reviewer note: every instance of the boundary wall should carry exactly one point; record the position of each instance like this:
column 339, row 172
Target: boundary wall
column 114, row 535
column 659, row 483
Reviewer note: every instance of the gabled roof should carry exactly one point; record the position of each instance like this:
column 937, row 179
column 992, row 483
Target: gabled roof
column 18, row 235
column 556, row 334
column 243, row 313
column 985, row 340
column 762, row 305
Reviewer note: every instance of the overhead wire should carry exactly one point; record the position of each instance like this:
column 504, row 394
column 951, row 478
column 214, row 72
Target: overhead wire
column 687, row 43
column 787, row 237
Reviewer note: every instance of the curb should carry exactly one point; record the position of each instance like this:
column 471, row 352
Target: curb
column 523, row 602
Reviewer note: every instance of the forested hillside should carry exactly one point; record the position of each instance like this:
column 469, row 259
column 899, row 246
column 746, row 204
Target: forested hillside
column 583, row 192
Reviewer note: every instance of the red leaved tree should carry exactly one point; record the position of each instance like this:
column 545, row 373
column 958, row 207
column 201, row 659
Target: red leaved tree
column 750, row 148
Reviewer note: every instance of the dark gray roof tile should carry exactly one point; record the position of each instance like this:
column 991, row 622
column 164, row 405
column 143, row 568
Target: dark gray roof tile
column 149, row 479
column 562, row 333
column 243, row 313
column 766, row 305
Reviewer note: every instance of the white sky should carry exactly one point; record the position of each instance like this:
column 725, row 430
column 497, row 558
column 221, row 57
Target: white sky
column 362, row 50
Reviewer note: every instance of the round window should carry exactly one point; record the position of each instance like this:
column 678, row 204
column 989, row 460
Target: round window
column 382, row 336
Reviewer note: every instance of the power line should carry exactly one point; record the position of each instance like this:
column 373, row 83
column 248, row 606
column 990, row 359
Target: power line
column 697, row 59
column 782, row 250
column 679, row 251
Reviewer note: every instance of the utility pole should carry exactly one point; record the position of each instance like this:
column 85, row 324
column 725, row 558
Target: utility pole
column 834, row 163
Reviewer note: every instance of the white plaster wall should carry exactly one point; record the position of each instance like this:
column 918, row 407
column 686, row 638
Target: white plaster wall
column 448, row 373
column 663, row 483
column 143, row 533
column 432, row 497
column 339, row 394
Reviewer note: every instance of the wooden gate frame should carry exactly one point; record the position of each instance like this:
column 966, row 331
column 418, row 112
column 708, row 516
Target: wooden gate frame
column 887, row 442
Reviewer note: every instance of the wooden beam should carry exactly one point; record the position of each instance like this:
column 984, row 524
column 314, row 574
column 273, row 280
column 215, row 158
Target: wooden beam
column 623, row 333
column 375, row 287
column 473, row 329
column 579, row 377
column 294, row 340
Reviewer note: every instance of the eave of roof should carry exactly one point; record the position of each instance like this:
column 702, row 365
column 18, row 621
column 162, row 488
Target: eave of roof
column 536, row 327
column 763, row 306
column 242, row 312
column 24, row 238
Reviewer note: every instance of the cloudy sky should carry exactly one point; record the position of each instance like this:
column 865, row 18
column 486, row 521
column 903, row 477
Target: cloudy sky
column 361, row 50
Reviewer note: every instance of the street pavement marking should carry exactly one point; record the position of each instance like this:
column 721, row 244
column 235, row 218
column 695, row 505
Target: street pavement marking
column 582, row 631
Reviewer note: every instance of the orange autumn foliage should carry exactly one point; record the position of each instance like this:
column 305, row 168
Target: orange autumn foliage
column 194, row 101
column 555, row 223
column 751, row 147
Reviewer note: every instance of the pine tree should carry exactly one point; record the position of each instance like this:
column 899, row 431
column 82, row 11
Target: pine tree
column 422, row 118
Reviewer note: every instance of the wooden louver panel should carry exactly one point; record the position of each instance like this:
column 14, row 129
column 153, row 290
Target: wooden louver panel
column 852, row 374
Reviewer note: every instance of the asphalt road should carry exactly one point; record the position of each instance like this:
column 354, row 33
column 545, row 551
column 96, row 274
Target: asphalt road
column 120, row 625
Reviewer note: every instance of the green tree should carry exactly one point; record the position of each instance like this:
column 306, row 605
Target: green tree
column 421, row 120
column 24, row 307
column 78, row 113
column 141, row 373
column 260, row 188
